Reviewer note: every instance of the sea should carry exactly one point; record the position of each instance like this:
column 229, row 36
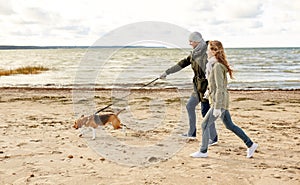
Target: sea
column 136, row 68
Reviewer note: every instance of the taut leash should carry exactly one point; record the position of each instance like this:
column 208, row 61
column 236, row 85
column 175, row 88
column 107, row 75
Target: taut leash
column 127, row 95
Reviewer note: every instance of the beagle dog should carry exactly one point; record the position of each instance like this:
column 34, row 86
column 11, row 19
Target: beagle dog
column 95, row 120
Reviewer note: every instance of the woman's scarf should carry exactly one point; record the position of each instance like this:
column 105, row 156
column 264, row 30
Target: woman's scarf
column 209, row 65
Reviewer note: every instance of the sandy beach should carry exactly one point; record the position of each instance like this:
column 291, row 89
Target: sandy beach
column 39, row 146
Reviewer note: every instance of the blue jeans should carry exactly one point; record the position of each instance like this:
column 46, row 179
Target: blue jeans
column 209, row 119
column 191, row 109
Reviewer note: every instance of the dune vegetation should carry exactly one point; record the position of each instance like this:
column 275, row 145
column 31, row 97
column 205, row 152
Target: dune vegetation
column 23, row 70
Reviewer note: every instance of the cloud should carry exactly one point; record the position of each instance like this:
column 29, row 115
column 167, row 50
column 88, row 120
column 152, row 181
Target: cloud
column 199, row 6
column 36, row 15
column 6, row 7
column 256, row 24
column 215, row 21
column 83, row 22
column 40, row 16
column 75, row 29
column 237, row 10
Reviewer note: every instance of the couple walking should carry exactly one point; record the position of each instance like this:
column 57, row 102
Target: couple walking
column 209, row 63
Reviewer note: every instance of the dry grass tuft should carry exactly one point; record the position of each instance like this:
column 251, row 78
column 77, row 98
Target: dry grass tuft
column 24, row 70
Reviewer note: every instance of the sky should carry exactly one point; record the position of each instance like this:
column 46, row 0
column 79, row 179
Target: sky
column 252, row 23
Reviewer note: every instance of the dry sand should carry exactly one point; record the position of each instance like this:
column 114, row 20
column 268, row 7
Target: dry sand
column 39, row 146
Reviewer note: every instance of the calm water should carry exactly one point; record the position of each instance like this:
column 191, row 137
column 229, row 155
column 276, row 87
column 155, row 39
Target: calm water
column 266, row 68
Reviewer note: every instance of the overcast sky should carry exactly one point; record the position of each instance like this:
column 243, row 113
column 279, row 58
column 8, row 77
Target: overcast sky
column 237, row 23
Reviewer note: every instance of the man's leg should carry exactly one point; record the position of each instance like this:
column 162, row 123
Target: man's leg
column 191, row 109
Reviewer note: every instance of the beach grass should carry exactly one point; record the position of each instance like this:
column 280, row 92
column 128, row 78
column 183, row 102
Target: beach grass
column 23, row 70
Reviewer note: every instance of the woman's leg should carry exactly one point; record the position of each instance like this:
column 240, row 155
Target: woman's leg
column 208, row 120
column 212, row 129
column 226, row 118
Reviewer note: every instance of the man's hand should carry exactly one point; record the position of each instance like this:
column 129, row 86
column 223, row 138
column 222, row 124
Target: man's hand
column 163, row 76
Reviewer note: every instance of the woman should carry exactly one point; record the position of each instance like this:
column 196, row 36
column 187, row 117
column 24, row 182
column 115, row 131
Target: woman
column 216, row 73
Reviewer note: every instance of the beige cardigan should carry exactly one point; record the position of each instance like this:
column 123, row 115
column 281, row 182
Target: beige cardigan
column 217, row 84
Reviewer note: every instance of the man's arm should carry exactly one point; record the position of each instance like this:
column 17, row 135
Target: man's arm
column 180, row 65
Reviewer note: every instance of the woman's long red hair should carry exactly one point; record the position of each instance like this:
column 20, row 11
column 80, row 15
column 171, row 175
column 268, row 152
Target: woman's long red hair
column 220, row 55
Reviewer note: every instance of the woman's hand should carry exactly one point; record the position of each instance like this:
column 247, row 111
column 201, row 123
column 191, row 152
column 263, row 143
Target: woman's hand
column 217, row 112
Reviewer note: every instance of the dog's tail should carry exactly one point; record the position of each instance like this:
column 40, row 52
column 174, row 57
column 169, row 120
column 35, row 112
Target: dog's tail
column 120, row 111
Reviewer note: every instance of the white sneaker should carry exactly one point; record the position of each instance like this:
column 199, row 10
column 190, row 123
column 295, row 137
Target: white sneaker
column 251, row 150
column 199, row 155
column 212, row 143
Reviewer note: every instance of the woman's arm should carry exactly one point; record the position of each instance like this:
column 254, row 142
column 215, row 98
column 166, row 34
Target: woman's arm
column 220, row 83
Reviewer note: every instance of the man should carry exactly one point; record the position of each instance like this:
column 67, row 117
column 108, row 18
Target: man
column 198, row 60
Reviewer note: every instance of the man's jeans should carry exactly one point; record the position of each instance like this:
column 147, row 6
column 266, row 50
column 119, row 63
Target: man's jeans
column 191, row 109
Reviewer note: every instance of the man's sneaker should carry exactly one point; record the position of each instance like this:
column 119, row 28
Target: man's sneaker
column 251, row 150
column 212, row 143
column 188, row 137
column 199, row 155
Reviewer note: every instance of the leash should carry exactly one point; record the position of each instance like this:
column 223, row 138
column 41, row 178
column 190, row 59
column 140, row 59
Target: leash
column 127, row 95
